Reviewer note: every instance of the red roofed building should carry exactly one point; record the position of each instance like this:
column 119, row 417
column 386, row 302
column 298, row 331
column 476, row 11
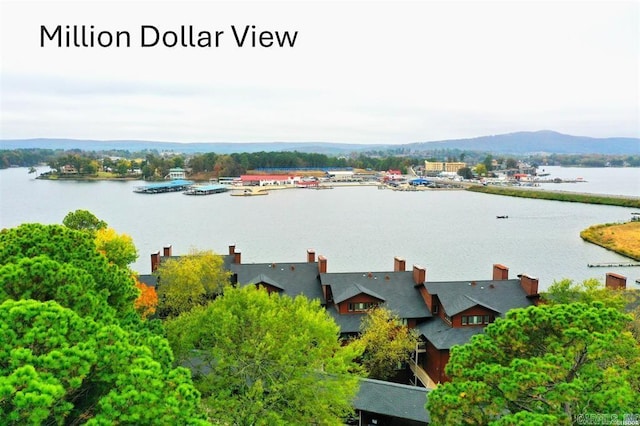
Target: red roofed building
column 263, row 180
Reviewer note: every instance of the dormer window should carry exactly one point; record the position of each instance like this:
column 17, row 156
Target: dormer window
column 436, row 308
column 362, row 306
column 475, row 319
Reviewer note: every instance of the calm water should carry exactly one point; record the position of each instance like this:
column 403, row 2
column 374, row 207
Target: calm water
column 454, row 234
column 623, row 181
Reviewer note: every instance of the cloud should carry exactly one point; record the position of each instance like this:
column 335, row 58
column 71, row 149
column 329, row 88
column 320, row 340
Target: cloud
column 363, row 71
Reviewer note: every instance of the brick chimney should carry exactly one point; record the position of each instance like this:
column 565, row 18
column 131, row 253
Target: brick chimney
column 311, row 256
column 237, row 257
column 322, row 264
column 500, row 272
column 166, row 252
column 399, row 264
column 529, row 284
column 615, row 281
column 232, row 249
column 419, row 275
column 155, row 261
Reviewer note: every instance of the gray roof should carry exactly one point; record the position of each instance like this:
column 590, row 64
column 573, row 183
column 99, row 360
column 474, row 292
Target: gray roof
column 354, row 290
column 292, row 278
column 443, row 336
column 496, row 295
column 392, row 399
column 265, row 279
column 396, row 289
column 148, row 279
column 348, row 323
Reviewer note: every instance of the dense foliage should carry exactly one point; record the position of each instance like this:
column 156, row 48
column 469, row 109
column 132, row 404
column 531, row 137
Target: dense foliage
column 25, row 157
column 83, row 220
column 73, row 348
column 544, row 364
column 267, row 359
column 189, row 281
column 75, row 248
column 387, row 343
column 57, row 367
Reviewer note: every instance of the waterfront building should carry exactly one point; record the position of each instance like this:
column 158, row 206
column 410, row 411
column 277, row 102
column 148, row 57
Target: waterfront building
column 268, row 180
column 444, row 166
column 176, row 173
column 445, row 314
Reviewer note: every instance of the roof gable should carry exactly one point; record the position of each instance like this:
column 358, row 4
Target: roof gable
column 355, row 290
column 397, row 290
column 265, row 279
column 496, row 295
column 464, row 302
column 293, row 279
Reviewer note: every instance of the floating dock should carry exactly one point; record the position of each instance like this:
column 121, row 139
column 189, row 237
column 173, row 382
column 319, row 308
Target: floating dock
column 206, row 189
column 177, row 185
column 611, row 264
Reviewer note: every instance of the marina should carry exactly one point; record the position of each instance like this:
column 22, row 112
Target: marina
column 177, row 185
column 357, row 227
column 206, row 189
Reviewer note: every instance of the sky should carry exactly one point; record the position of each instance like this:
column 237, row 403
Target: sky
column 359, row 71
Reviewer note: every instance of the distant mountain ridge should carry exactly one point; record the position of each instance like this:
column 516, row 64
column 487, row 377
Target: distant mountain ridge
column 511, row 143
column 540, row 141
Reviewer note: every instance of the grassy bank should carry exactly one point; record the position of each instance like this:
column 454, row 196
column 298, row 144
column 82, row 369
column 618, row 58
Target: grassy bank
column 558, row 196
column 623, row 238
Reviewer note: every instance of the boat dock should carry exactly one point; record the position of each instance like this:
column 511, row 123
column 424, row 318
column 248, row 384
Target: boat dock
column 162, row 187
column 612, row 264
column 206, row 189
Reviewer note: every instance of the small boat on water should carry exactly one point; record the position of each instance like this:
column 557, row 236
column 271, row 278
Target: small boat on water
column 502, row 217
column 248, row 193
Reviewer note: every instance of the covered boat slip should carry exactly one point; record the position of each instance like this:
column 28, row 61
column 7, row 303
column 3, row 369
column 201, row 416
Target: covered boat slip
column 161, row 187
column 206, row 189
column 181, row 185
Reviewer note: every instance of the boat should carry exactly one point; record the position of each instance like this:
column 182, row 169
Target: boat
column 502, row 217
column 248, row 193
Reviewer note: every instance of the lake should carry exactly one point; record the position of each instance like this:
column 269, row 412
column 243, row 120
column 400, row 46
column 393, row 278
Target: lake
column 454, row 234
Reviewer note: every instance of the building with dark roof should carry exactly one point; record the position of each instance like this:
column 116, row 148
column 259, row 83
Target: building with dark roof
column 390, row 404
column 462, row 309
column 445, row 314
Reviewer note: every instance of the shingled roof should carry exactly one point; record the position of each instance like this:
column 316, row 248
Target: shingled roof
column 392, row 399
column 496, row 295
column 443, row 336
column 396, row 289
column 293, row 279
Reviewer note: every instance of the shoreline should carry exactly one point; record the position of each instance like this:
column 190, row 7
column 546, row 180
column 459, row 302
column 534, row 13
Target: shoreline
column 621, row 238
column 566, row 196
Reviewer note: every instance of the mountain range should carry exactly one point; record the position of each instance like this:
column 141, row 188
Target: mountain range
column 546, row 141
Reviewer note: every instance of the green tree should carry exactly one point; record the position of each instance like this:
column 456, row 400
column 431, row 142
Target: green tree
column 267, row 359
column 43, row 279
column 76, row 248
column 386, row 341
column 189, row 281
column 511, row 163
column 466, row 173
column 488, row 162
column 590, row 290
column 59, row 368
column 481, row 169
column 83, row 220
column 543, row 364
column 117, row 248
